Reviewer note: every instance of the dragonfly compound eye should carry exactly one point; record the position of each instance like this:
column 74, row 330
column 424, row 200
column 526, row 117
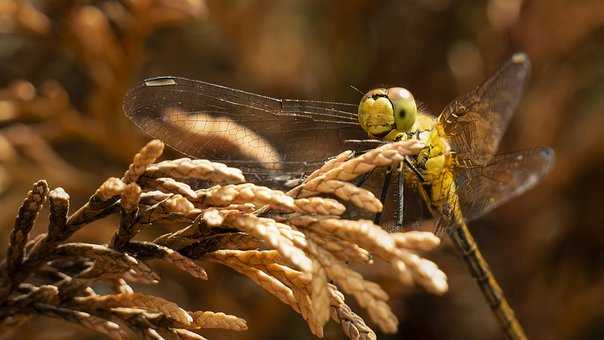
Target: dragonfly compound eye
column 405, row 109
column 376, row 113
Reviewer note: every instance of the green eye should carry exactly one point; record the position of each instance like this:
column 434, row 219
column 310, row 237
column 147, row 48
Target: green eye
column 405, row 109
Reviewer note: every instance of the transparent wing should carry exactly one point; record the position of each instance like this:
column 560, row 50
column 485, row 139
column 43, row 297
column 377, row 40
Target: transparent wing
column 475, row 122
column 265, row 135
column 483, row 188
column 284, row 178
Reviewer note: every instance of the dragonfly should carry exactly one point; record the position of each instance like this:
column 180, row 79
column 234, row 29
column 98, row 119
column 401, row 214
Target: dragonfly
column 458, row 174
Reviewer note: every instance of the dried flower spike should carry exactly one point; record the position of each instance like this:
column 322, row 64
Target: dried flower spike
column 147, row 156
column 292, row 247
column 25, row 221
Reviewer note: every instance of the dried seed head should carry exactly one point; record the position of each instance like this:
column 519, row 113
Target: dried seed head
column 342, row 249
column 147, row 302
column 319, row 206
column 368, row 294
column 220, row 196
column 269, row 231
column 331, row 163
column 218, row 320
column 213, row 217
column 360, row 197
column 382, row 156
column 145, row 157
column 153, row 197
column 130, row 197
column 186, row 168
column 59, row 208
column 178, row 204
column 110, row 188
column 24, row 223
column 264, row 280
column 416, row 240
column 352, row 325
column 170, row 185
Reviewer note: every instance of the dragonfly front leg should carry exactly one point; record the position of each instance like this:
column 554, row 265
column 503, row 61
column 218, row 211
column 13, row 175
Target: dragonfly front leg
column 387, row 178
column 409, row 162
column 360, row 181
column 399, row 198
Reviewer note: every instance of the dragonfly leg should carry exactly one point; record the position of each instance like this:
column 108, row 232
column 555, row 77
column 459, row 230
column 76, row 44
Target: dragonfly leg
column 420, row 205
column 364, row 178
column 413, row 168
column 442, row 227
column 422, row 195
column 399, row 198
column 387, row 178
column 372, row 143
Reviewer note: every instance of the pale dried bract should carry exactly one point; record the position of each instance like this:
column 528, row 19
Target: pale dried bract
column 259, row 196
column 186, row 168
column 218, row 320
column 147, row 156
column 294, row 245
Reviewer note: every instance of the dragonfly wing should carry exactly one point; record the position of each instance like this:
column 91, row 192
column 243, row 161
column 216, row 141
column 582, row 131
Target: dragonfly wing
column 483, row 188
column 475, row 122
column 288, row 174
column 210, row 121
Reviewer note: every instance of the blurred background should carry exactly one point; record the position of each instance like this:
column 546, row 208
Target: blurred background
column 66, row 64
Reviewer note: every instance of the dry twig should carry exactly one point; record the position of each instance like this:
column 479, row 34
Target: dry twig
column 293, row 250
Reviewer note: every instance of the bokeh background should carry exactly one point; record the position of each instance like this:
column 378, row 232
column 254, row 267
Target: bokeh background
column 66, row 64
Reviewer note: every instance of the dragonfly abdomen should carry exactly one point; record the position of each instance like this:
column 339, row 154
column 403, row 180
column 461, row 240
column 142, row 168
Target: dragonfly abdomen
column 459, row 233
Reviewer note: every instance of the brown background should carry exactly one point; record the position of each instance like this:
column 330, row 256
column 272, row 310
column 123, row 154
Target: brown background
column 64, row 66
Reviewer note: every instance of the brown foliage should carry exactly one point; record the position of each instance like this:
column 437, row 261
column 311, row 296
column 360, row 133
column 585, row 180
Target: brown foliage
column 65, row 66
column 289, row 249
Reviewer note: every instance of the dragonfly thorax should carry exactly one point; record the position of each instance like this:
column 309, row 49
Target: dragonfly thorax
column 386, row 113
column 435, row 157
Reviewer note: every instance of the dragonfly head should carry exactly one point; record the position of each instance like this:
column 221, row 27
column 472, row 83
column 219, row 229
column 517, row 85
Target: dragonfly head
column 383, row 110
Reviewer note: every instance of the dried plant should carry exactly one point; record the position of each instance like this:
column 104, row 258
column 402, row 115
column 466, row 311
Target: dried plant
column 60, row 101
column 106, row 42
column 298, row 249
